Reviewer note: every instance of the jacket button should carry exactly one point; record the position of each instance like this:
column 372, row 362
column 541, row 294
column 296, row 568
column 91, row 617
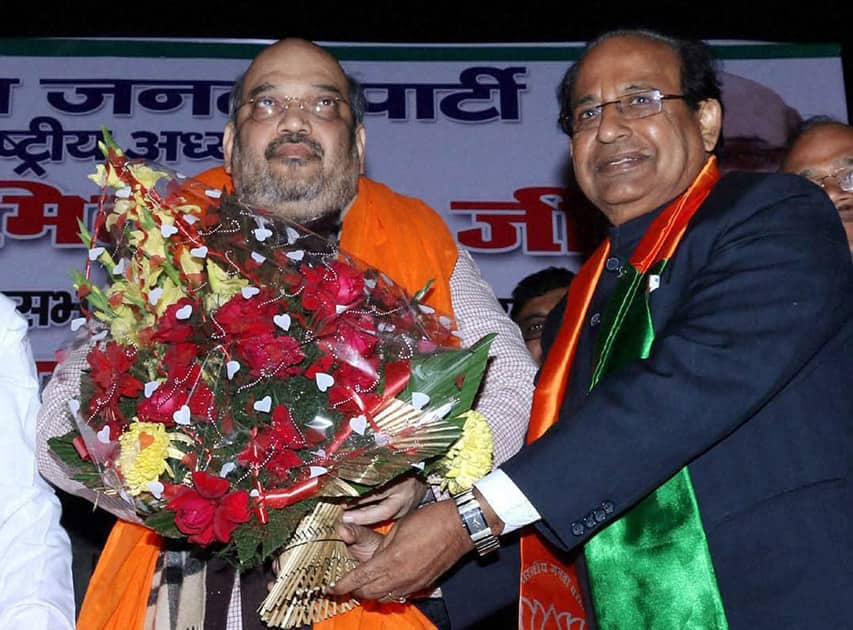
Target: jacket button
column 607, row 506
column 595, row 320
column 599, row 515
column 577, row 529
column 589, row 520
column 612, row 264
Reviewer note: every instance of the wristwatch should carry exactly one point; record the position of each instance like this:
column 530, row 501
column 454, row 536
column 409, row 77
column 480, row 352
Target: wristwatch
column 475, row 522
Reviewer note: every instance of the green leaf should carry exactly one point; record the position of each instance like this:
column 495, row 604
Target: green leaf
column 438, row 375
column 163, row 522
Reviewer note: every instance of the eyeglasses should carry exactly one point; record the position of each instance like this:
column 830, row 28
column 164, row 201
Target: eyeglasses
column 265, row 108
column 631, row 106
column 843, row 178
column 531, row 327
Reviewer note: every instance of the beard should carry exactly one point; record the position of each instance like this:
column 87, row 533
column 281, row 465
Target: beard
column 288, row 190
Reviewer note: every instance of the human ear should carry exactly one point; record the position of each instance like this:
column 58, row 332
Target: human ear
column 710, row 116
column 228, row 144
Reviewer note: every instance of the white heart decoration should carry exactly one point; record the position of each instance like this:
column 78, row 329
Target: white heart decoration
column 227, row 468
column 95, row 252
column 104, row 435
column 370, row 282
column 249, row 291
column 74, row 406
column 258, row 258
column 154, row 296
column 419, row 465
column 419, row 400
column 445, row 321
column 296, row 255
column 254, row 493
column 120, row 267
column 426, row 309
column 282, row 320
column 316, row 471
column 292, row 236
column 168, row 230
column 190, row 218
column 123, row 193
column 262, row 233
column 185, row 312
column 150, row 388
column 264, row 404
column 182, row 415
column 180, row 176
column 358, row 424
column 199, row 252
column 442, row 411
column 381, row 439
column 324, row 381
column 319, row 453
column 231, row 369
column 213, row 193
column 100, row 335
column 319, row 423
column 77, row 322
column 156, row 488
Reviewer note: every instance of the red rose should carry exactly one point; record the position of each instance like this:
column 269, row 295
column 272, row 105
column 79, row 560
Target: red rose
column 171, row 396
column 241, row 318
column 169, row 328
column 326, row 288
column 269, row 353
column 354, row 338
column 207, row 512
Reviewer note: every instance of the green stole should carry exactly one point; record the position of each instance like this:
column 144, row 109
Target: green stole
column 651, row 569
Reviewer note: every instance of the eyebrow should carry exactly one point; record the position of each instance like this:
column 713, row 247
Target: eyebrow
column 628, row 89
column 266, row 87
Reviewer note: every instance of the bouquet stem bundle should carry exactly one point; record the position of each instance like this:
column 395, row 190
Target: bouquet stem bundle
column 314, row 558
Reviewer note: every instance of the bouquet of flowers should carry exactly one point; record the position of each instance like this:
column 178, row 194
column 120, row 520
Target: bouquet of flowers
column 245, row 376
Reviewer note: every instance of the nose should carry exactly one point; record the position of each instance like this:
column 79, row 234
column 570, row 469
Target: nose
column 611, row 124
column 294, row 118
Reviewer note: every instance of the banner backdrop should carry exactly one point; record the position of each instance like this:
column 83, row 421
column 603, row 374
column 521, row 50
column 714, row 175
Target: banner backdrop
column 470, row 129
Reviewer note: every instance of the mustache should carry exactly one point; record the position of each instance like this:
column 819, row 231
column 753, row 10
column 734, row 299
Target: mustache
column 292, row 138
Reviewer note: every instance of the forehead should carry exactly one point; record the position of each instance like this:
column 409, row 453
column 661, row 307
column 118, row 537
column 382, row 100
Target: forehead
column 824, row 147
column 295, row 64
column 625, row 63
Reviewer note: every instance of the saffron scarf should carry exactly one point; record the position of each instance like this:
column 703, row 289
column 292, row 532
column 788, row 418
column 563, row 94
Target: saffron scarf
column 397, row 234
column 651, row 568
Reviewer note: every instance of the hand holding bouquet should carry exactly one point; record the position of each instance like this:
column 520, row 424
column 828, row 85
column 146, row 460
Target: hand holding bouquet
column 245, row 376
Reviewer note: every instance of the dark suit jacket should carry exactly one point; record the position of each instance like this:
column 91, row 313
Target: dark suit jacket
column 748, row 383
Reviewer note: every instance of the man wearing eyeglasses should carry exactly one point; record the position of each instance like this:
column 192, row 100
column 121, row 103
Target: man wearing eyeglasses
column 692, row 427
column 823, row 153
column 295, row 145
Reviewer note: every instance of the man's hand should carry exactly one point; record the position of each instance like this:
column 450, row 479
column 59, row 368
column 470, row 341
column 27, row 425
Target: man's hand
column 420, row 548
column 392, row 502
column 362, row 542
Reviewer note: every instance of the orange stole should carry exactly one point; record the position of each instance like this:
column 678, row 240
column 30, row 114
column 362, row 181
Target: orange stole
column 411, row 243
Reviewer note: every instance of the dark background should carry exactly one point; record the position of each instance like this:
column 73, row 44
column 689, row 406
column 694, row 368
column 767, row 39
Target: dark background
column 383, row 21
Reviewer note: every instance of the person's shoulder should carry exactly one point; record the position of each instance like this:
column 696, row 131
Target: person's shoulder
column 412, row 208
column 12, row 324
column 767, row 188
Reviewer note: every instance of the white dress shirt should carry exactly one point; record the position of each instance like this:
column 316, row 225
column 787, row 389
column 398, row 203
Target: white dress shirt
column 36, row 590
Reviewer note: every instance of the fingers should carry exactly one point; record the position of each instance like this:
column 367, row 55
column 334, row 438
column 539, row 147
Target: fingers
column 362, row 543
column 371, row 514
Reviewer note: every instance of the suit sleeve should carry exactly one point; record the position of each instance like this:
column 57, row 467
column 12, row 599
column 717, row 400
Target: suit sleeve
column 759, row 292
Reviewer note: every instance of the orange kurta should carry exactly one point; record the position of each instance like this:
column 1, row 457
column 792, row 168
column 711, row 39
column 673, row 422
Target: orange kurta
column 407, row 240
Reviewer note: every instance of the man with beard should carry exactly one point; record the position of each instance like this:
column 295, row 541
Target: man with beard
column 823, row 152
column 692, row 425
column 294, row 145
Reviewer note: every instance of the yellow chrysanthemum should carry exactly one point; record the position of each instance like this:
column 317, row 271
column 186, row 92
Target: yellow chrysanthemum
column 190, row 264
column 145, row 447
column 146, row 175
column 470, row 457
column 126, row 323
column 106, row 175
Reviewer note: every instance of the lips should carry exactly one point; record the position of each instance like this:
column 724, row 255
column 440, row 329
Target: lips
column 295, row 147
column 619, row 163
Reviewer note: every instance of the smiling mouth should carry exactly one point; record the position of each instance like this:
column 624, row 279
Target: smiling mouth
column 620, row 163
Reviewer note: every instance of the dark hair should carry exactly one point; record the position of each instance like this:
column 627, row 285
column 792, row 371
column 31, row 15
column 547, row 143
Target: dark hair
column 355, row 97
column 536, row 284
column 699, row 80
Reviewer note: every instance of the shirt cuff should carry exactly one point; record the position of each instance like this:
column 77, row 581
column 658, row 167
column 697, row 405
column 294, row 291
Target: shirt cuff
column 508, row 502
